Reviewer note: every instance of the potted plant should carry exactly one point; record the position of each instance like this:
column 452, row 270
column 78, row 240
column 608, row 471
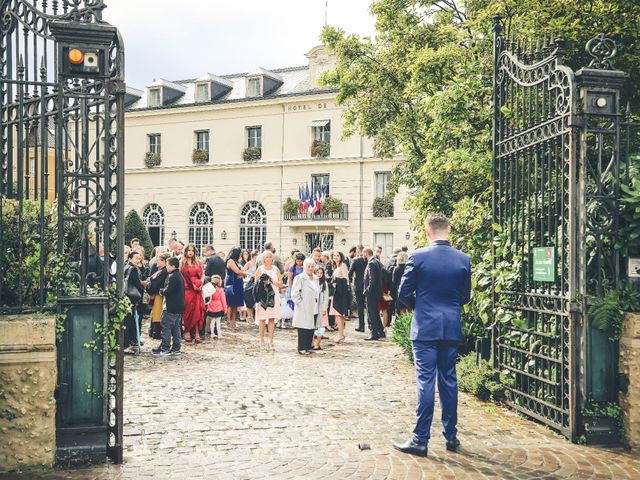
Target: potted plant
column 200, row 156
column 320, row 149
column 152, row 159
column 383, row 206
column 291, row 207
column 252, row 153
column 332, row 205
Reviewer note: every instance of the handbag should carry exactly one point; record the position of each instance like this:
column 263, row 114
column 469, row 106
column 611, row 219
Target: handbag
column 208, row 289
column 131, row 291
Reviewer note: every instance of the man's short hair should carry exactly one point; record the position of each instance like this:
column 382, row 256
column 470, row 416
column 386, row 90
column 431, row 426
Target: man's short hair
column 360, row 247
column 352, row 249
column 174, row 262
column 437, row 222
column 135, row 240
column 208, row 247
column 317, row 249
column 405, row 248
column 378, row 247
column 396, row 251
column 367, row 251
column 268, row 246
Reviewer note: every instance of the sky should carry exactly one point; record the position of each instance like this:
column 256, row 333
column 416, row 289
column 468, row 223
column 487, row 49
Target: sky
column 179, row 39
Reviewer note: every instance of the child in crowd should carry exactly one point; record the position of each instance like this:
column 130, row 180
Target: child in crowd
column 285, row 311
column 217, row 307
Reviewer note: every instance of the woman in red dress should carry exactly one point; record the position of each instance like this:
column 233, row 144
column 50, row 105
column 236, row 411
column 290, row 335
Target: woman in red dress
column 193, row 315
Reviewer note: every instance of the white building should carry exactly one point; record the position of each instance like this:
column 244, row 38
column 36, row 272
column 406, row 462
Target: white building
column 206, row 192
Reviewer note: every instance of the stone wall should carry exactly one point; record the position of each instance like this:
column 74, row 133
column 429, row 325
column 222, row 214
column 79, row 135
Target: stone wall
column 630, row 366
column 28, row 378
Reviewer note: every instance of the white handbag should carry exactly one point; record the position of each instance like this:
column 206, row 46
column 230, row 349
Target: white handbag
column 208, row 289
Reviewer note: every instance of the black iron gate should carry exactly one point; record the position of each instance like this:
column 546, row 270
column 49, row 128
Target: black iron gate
column 555, row 171
column 61, row 156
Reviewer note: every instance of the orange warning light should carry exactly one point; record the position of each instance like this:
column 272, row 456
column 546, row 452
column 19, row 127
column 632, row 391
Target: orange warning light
column 76, row 57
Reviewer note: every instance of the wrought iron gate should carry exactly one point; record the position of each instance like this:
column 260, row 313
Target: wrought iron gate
column 555, row 170
column 62, row 144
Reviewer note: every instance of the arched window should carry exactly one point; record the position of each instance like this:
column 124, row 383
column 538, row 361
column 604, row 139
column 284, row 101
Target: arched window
column 253, row 226
column 153, row 218
column 200, row 226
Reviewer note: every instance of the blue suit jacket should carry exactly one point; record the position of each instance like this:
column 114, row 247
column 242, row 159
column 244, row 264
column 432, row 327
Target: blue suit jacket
column 436, row 284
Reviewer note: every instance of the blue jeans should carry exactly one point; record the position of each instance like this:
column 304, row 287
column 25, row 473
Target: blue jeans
column 171, row 323
column 435, row 358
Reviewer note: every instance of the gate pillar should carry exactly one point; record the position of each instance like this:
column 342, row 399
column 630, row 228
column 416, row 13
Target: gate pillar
column 598, row 262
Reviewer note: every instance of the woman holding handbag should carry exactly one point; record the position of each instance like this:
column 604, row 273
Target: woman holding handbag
column 192, row 272
column 134, row 289
column 234, row 285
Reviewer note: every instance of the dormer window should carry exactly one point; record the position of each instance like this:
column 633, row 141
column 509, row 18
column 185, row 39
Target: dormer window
column 254, row 87
column 202, row 92
column 155, row 97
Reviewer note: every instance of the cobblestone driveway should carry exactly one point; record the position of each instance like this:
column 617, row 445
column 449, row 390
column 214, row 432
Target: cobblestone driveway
column 224, row 410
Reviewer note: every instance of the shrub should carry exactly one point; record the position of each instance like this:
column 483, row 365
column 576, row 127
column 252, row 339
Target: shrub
column 152, row 159
column 320, row 149
column 401, row 334
column 252, row 153
column 200, row 155
column 134, row 228
column 291, row 206
column 383, row 206
column 481, row 380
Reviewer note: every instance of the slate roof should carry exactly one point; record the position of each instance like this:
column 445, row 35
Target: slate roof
column 295, row 81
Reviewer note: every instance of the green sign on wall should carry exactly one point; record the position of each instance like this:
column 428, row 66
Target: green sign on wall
column 544, row 264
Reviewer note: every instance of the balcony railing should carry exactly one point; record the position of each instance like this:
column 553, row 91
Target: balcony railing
column 319, row 217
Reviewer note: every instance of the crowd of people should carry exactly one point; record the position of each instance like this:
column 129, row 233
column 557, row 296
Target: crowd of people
column 187, row 297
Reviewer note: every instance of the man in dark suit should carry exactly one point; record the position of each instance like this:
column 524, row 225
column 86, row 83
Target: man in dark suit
column 213, row 264
column 356, row 277
column 372, row 292
column 436, row 284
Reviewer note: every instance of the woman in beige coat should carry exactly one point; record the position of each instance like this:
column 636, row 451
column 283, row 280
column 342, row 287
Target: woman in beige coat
column 304, row 293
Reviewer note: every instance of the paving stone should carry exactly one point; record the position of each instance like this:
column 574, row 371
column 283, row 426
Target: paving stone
column 226, row 410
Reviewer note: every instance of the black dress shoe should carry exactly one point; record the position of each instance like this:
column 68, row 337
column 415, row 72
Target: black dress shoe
column 453, row 445
column 361, row 330
column 411, row 448
column 371, row 338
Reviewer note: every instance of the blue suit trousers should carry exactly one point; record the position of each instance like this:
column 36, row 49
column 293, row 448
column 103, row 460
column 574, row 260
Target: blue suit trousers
column 435, row 358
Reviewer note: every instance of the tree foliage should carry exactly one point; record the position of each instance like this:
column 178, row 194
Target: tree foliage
column 422, row 89
column 134, row 228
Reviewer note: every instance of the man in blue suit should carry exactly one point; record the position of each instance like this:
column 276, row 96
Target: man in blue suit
column 436, row 284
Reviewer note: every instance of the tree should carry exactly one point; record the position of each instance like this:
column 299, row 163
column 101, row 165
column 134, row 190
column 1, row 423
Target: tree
column 134, row 228
column 423, row 88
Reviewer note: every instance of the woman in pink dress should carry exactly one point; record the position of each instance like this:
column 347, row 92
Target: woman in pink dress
column 193, row 316
column 270, row 314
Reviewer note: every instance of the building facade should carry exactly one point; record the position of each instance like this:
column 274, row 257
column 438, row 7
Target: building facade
column 215, row 160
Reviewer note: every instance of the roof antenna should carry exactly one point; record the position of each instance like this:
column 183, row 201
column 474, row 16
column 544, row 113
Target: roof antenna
column 326, row 8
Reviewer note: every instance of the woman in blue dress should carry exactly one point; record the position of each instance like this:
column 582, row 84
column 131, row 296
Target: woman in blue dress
column 234, row 285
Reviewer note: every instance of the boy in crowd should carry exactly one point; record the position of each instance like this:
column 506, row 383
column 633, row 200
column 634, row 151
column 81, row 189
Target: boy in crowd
column 173, row 292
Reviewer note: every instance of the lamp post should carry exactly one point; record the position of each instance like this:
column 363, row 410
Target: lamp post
column 223, row 235
column 408, row 236
column 174, row 235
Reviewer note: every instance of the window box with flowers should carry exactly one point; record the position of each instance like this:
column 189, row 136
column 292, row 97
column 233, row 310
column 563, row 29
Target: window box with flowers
column 200, row 156
column 152, row 159
column 333, row 205
column 320, row 149
column 291, row 207
column 252, row 153
column 383, row 206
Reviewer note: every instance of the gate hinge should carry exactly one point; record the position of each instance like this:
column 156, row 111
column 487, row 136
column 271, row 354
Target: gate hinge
column 577, row 120
column 117, row 86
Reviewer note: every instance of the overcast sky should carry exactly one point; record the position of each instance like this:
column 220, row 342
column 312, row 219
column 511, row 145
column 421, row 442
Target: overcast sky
column 177, row 39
